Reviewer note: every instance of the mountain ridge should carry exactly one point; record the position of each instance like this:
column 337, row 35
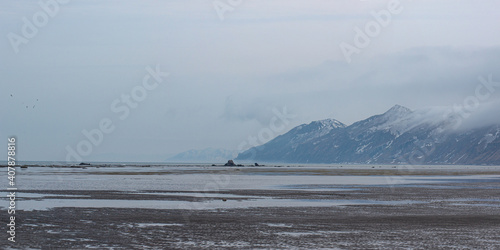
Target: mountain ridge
column 398, row 136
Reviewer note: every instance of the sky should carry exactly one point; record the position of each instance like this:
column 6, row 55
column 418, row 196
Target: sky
column 144, row 80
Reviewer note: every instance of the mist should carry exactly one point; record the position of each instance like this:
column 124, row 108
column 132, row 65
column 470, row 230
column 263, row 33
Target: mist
column 226, row 76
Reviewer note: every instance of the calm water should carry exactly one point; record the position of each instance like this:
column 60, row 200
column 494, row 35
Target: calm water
column 193, row 180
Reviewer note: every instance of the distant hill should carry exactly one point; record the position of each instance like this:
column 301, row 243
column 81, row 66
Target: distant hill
column 399, row 136
column 208, row 155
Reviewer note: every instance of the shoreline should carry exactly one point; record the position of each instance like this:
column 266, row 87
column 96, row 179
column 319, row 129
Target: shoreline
column 204, row 207
column 460, row 217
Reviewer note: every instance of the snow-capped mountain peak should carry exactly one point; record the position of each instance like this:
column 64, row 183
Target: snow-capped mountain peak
column 330, row 123
column 397, row 112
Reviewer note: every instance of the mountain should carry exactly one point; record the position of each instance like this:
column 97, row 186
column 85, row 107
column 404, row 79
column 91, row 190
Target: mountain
column 398, row 136
column 286, row 145
column 208, row 155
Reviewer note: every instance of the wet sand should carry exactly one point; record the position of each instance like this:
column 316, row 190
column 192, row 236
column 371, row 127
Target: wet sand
column 446, row 213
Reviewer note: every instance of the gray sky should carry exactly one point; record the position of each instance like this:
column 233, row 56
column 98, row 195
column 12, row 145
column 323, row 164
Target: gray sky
column 227, row 76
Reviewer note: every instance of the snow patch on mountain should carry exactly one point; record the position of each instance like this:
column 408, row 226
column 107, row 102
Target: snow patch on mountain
column 313, row 130
column 400, row 120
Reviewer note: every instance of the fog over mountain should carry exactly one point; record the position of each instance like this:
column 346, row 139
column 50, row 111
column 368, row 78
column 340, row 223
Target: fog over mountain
column 484, row 115
column 398, row 136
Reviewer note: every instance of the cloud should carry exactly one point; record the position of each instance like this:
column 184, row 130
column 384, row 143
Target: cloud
column 486, row 114
column 416, row 78
column 226, row 77
column 241, row 109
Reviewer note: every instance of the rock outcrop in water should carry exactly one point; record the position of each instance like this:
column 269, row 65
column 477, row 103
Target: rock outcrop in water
column 230, row 163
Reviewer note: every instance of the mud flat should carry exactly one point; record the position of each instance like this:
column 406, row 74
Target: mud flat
column 282, row 210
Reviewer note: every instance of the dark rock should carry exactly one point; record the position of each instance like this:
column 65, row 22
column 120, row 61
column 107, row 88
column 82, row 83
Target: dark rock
column 256, row 164
column 230, row 163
